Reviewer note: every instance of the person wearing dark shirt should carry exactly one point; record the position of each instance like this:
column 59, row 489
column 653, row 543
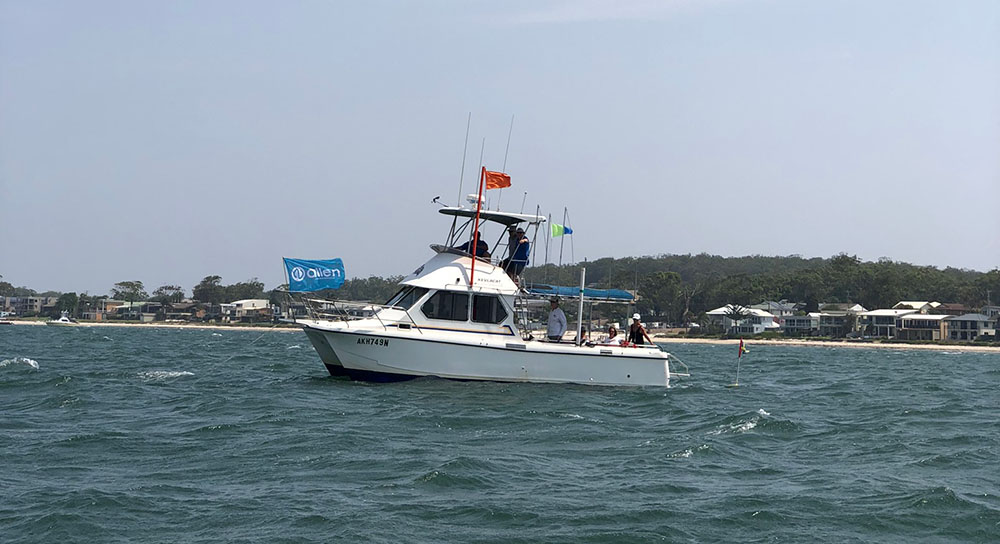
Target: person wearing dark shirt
column 518, row 259
column 636, row 332
column 482, row 248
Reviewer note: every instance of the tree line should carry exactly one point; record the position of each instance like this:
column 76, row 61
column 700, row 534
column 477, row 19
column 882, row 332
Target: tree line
column 672, row 288
column 680, row 288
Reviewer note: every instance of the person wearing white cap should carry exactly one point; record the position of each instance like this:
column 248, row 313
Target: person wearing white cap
column 636, row 332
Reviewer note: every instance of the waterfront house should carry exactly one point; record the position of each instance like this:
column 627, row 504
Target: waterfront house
column 990, row 310
column 882, row 323
column 26, row 306
column 801, row 325
column 251, row 310
column 970, row 327
column 755, row 322
column 918, row 326
column 839, row 318
column 778, row 309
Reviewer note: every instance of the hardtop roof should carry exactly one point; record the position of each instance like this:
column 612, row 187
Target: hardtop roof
column 504, row 218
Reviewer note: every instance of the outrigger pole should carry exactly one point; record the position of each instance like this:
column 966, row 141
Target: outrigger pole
column 475, row 235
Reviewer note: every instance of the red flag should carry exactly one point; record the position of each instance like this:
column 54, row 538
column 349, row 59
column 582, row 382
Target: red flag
column 497, row 180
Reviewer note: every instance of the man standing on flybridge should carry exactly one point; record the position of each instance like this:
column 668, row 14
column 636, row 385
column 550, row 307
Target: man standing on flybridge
column 557, row 321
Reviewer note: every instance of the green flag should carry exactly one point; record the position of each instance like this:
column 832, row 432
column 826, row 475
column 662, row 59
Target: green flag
column 559, row 230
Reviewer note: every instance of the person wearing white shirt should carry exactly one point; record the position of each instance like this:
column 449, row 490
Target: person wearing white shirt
column 557, row 322
column 613, row 339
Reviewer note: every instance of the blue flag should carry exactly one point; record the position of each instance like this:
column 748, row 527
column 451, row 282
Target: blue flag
column 305, row 275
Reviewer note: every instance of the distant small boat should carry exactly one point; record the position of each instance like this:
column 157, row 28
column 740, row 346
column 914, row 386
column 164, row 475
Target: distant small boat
column 64, row 321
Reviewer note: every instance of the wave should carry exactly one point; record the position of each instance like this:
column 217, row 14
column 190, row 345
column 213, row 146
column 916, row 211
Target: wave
column 20, row 361
column 761, row 420
column 159, row 375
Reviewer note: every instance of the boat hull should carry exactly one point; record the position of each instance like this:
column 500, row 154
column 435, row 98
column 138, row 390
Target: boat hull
column 384, row 356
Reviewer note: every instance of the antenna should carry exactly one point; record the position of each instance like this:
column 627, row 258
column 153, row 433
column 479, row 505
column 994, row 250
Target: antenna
column 505, row 152
column 465, row 149
column 522, row 202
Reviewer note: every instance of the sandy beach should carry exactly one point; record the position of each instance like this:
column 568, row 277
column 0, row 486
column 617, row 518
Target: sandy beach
column 658, row 339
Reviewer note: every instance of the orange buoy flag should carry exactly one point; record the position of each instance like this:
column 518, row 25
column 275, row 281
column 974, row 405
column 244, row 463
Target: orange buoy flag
column 497, row 180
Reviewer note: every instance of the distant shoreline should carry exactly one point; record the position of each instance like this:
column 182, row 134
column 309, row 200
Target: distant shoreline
column 161, row 325
column 659, row 339
column 829, row 344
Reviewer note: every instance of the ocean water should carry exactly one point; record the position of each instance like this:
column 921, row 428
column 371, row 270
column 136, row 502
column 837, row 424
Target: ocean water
column 135, row 435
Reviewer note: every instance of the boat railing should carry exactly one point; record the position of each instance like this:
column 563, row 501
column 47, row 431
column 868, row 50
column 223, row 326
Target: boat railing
column 349, row 310
column 687, row 371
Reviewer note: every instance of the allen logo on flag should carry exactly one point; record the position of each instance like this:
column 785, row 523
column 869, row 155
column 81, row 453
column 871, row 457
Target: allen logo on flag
column 497, row 180
column 313, row 275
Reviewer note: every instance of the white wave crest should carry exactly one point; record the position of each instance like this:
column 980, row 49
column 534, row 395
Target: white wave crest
column 216, row 334
column 762, row 412
column 296, row 346
column 157, row 375
column 20, row 361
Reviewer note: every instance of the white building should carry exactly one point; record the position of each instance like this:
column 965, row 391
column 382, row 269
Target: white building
column 755, row 322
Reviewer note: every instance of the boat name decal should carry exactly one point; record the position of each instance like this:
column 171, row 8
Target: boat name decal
column 368, row 341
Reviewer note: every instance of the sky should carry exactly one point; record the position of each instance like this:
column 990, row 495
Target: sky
column 168, row 141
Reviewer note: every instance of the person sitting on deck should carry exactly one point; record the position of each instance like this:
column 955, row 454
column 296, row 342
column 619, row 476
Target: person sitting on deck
column 636, row 332
column 613, row 339
column 519, row 248
column 482, row 248
column 557, row 322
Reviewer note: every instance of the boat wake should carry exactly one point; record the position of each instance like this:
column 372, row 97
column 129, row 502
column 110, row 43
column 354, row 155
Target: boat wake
column 20, row 361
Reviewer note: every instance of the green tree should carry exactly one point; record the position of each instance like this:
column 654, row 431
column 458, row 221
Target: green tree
column 6, row 289
column 736, row 313
column 659, row 293
column 67, row 302
column 168, row 293
column 129, row 290
column 209, row 290
column 252, row 288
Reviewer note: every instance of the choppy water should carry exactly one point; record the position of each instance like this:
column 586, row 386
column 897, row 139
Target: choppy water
column 126, row 435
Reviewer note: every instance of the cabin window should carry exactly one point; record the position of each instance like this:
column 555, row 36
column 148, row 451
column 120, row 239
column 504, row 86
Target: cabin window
column 406, row 297
column 447, row 305
column 488, row 309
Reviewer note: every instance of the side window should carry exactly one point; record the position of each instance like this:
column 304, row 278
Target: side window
column 487, row 309
column 447, row 305
column 399, row 295
column 406, row 297
column 411, row 298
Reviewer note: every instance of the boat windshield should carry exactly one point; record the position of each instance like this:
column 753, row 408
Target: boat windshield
column 406, row 297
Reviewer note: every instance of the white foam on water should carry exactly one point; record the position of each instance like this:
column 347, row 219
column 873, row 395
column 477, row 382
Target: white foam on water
column 762, row 412
column 20, row 361
column 156, row 375
column 296, row 346
column 108, row 338
column 216, row 334
column 690, row 451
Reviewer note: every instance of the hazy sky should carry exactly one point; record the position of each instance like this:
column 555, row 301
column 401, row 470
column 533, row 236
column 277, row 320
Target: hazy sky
column 167, row 141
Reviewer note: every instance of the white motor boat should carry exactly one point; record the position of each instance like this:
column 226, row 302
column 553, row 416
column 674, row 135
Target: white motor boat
column 64, row 321
column 441, row 324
